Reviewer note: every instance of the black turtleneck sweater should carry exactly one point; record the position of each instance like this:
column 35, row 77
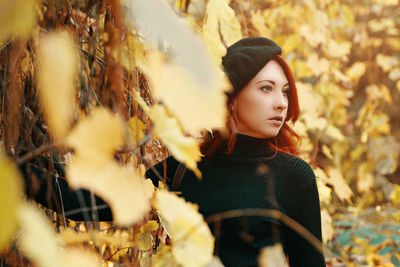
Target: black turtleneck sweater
column 254, row 176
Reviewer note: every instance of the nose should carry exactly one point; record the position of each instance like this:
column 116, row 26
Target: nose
column 281, row 101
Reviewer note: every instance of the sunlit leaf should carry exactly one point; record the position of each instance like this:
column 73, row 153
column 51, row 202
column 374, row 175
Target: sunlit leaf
column 314, row 38
column 10, row 199
column 57, row 67
column 38, row 239
column 340, row 186
column 338, row 50
column 365, row 178
column 17, row 17
column 220, row 21
column 80, row 258
column 386, row 62
column 348, row 15
column 327, row 228
column 318, row 66
column 272, row 256
column 356, row 71
column 192, row 241
column 136, row 129
column 93, row 167
column 144, row 238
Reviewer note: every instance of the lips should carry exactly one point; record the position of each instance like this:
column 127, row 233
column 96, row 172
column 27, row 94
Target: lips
column 276, row 118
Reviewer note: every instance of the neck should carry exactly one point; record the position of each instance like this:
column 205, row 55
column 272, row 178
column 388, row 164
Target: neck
column 249, row 146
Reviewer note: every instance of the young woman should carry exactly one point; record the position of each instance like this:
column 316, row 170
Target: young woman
column 255, row 166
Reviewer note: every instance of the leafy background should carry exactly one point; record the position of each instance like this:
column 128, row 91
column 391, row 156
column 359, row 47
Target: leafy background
column 145, row 77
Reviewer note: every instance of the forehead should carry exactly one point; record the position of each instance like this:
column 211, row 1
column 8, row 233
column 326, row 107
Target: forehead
column 271, row 71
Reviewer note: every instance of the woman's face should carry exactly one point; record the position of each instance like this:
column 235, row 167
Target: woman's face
column 261, row 106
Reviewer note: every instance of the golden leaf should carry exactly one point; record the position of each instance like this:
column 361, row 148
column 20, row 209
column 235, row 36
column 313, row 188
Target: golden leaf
column 38, row 239
column 144, row 238
column 97, row 137
column 80, row 258
column 365, row 179
column 272, row 256
column 221, row 21
column 386, row 62
column 17, row 17
column 192, row 241
column 10, row 199
column 327, row 228
column 184, row 148
column 197, row 107
column 258, row 22
column 314, row 38
column 292, row 42
column 387, row 2
column 318, row 66
column 57, row 67
column 338, row 50
column 340, row 186
column 136, row 129
column 348, row 15
column 356, row 71
column 121, row 188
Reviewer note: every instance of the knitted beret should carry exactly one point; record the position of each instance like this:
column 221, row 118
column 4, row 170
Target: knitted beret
column 245, row 58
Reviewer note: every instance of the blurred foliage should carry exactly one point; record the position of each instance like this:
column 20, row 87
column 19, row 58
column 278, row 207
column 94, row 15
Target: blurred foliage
column 134, row 77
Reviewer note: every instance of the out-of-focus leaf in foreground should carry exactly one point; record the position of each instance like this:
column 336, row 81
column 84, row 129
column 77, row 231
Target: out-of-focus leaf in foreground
column 192, row 241
column 38, row 239
column 190, row 83
column 95, row 139
column 57, row 65
column 167, row 128
column 194, row 104
column 17, row 17
column 10, row 190
column 272, row 256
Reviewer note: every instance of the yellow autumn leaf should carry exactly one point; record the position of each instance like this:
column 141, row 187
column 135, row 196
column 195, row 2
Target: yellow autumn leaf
column 386, row 62
column 136, row 129
column 348, row 15
column 292, row 42
column 380, row 123
column 340, row 186
column 338, row 50
column 121, row 188
column 323, row 190
column 77, row 257
column 313, row 37
column 38, row 239
column 187, row 48
column 144, row 238
column 356, row 71
column 387, row 2
column 97, row 137
column 57, row 69
column 327, row 228
column 17, row 17
column 197, row 107
column 10, row 199
column 258, row 22
column 220, row 20
column 272, row 256
column 192, row 241
column 365, row 179
column 318, row 66
column 184, row 148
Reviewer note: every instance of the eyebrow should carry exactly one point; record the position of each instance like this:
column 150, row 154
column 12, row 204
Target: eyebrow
column 270, row 82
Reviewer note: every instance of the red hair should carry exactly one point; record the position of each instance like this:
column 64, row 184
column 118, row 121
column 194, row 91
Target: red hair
column 287, row 139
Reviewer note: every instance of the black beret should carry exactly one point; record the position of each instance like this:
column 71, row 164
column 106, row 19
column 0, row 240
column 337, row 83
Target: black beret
column 245, row 58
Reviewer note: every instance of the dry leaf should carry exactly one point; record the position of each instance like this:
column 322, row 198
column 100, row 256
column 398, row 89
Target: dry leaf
column 17, row 17
column 192, row 241
column 272, row 256
column 77, row 257
column 318, row 66
column 340, row 186
column 338, row 50
column 38, row 239
column 10, row 199
column 327, row 228
column 57, row 68
column 356, row 71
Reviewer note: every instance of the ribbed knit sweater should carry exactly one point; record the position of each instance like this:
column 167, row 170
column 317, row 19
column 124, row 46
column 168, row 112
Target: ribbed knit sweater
column 254, row 176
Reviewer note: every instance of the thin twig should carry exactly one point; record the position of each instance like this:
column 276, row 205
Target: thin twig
column 40, row 150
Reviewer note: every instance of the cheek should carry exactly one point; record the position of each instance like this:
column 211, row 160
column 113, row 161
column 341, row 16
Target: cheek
column 252, row 108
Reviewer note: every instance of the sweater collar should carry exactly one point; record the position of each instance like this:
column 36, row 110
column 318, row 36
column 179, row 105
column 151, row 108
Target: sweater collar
column 249, row 146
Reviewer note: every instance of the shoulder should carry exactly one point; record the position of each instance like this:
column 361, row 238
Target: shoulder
column 297, row 168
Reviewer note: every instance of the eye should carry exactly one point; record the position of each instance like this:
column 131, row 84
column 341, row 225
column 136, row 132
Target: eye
column 266, row 88
column 285, row 91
